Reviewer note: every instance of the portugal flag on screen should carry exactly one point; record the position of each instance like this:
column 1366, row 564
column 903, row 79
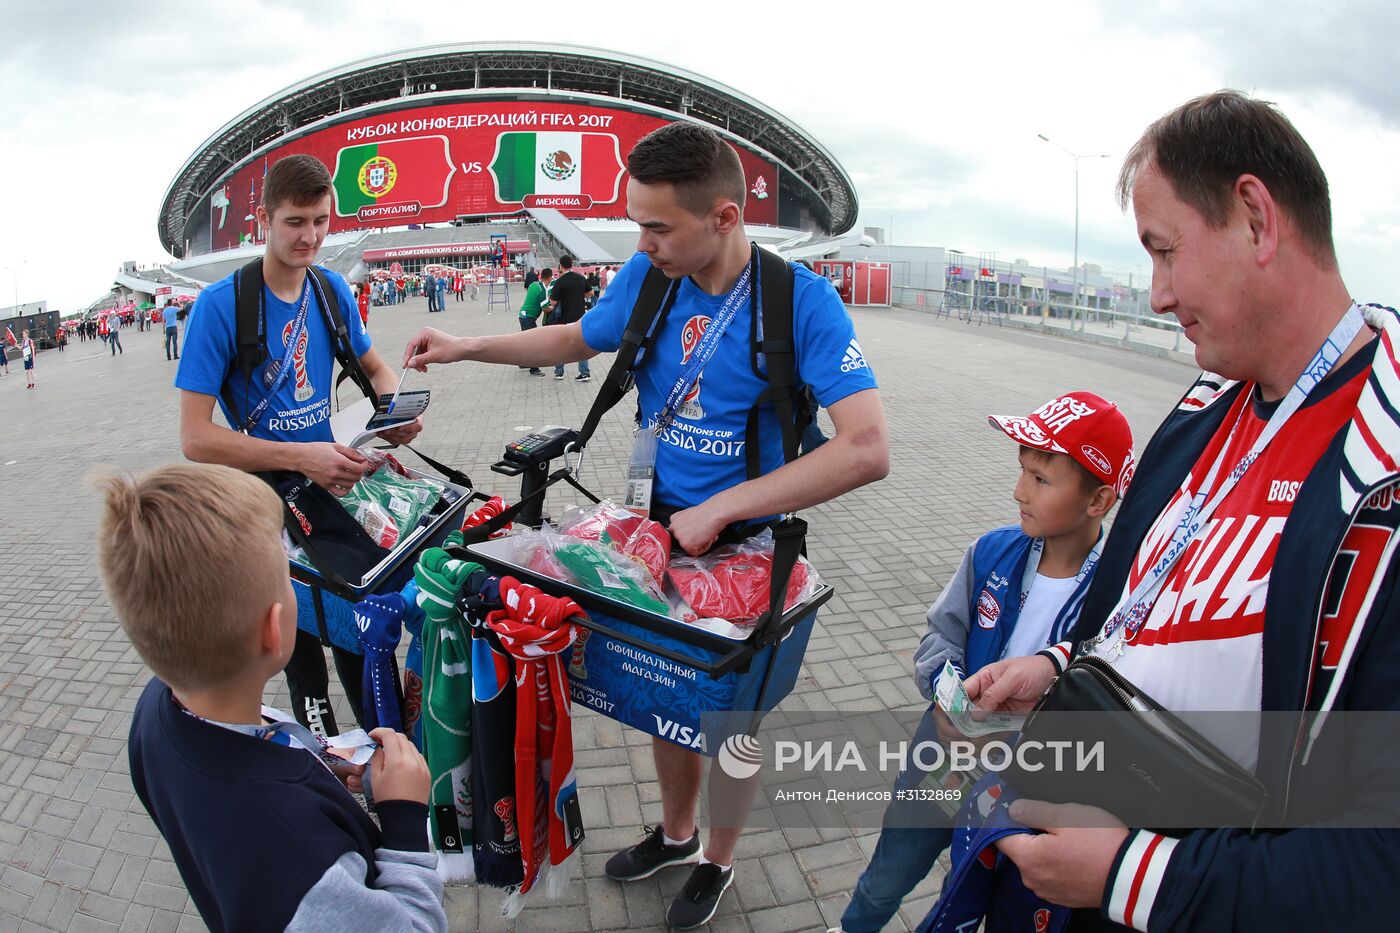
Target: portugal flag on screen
column 393, row 172
column 556, row 163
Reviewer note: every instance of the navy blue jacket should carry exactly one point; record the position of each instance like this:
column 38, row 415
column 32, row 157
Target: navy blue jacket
column 252, row 825
column 1309, row 879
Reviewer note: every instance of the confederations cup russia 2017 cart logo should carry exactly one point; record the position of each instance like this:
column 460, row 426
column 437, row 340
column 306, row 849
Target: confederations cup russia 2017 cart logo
column 377, row 176
column 558, row 165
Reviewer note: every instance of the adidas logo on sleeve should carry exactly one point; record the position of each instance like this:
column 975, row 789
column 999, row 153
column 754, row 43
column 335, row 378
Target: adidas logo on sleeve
column 853, row 359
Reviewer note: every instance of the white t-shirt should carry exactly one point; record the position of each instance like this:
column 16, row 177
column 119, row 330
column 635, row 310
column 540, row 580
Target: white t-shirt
column 1043, row 603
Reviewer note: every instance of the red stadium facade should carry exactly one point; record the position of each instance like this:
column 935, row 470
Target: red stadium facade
column 486, row 130
column 435, row 164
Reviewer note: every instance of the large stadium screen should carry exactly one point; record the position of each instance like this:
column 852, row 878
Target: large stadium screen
column 433, row 164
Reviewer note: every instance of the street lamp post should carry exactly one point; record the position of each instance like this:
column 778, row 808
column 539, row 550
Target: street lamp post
column 14, row 271
column 1074, row 295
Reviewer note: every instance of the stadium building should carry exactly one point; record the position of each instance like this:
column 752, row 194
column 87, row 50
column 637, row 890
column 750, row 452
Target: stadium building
column 436, row 151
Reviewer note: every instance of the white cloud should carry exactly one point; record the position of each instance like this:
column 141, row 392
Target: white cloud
column 935, row 115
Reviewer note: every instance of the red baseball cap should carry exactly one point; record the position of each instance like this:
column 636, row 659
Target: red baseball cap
column 1083, row 425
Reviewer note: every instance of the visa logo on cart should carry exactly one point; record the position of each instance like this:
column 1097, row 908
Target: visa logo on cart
column 681, row 735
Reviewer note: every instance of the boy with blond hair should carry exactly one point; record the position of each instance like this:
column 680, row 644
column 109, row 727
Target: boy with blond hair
column 265, row 835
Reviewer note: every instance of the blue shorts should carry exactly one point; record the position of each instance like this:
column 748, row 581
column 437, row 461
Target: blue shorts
column 28, row 364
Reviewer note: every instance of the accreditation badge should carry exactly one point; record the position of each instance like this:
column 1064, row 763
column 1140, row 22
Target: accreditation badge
column 641, row 473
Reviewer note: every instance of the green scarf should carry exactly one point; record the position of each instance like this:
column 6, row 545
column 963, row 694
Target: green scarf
column 447, row 705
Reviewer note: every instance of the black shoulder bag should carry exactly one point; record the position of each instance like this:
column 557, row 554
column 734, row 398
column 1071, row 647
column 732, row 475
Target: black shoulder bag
column 1154, row 769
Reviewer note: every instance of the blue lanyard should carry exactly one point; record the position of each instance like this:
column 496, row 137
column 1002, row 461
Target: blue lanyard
column 284, row 366
column 705, row 349
column 281, row 729
column 1132, row 610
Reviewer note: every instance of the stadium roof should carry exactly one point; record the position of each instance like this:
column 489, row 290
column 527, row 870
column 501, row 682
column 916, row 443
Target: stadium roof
column 417, row 76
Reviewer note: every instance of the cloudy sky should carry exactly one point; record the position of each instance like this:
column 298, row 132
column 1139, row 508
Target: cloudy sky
column 935, row 117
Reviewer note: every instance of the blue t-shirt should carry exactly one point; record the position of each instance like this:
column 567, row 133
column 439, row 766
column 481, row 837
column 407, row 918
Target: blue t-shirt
column 301, row 410
column 168, row 315
column 702, row 453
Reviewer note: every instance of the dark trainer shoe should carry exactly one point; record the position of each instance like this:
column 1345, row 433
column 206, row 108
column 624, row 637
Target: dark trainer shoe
column 699, row 899
column 651, row 855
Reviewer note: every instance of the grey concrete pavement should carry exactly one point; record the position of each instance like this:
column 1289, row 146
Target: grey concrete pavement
column 77, row 852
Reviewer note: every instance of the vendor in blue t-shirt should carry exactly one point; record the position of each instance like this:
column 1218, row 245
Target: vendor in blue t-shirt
column 288, row 400
column 686, row 192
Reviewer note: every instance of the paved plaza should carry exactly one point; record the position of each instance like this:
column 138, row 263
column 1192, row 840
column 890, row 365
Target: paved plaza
column 77, row 852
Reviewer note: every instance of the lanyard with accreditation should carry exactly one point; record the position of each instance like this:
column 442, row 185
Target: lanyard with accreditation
column 641, row 470
column 277, row 371
column 1128, row 617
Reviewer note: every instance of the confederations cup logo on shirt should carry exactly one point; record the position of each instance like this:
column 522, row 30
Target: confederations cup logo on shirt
column 303, row 383
column 691, row 335
column 377, row 176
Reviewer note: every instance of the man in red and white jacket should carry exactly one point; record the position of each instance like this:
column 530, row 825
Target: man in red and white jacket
column 1275, row 486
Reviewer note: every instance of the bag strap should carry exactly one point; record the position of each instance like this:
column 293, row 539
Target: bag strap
column 250, row 344
column 778, row 348
column 654, row 301
column 350, row 367
column 453, row 476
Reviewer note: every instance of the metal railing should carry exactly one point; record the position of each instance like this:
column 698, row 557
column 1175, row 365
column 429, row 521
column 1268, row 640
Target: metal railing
column 1129, row 326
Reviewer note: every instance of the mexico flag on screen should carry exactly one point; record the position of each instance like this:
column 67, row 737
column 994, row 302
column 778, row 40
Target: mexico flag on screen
column 397, row 171
column 556, row 163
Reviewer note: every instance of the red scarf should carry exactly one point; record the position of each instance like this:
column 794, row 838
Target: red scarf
column 535, row 630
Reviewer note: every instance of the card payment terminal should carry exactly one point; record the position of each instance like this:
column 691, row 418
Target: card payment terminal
column 529, row 457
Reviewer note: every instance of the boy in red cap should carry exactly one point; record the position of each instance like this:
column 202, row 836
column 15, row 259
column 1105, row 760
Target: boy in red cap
column 1017, row 592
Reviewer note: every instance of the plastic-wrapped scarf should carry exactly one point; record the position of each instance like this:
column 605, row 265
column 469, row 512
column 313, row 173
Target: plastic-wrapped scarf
column 495, row 835
column 379, row 621
column 984, row 883
column 447, row 699
column 535, row 629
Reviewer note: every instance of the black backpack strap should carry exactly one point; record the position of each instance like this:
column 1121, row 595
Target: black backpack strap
column 250, row 343
column 453, row 475
column 654, row 302
column 778, row 349
column 350, row 367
